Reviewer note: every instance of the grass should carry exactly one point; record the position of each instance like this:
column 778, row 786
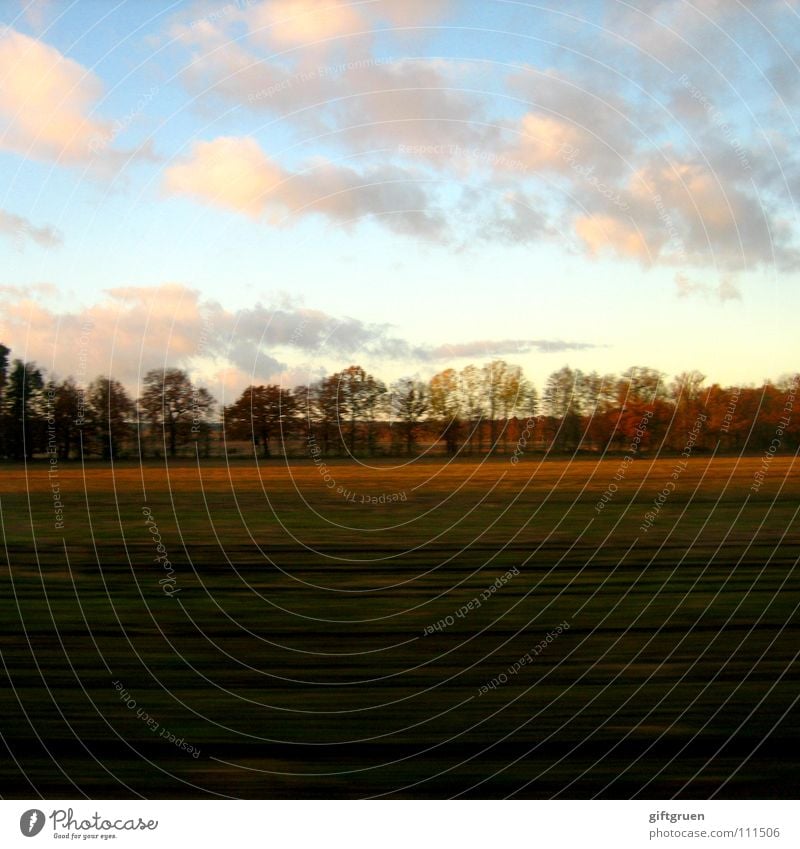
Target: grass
column 293, row 652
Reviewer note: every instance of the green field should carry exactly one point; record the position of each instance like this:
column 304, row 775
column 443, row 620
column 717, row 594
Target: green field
column 292, row 651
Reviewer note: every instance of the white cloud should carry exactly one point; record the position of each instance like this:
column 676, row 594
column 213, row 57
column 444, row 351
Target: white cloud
column 233, row 173
column 46, row 101
column 292, row 23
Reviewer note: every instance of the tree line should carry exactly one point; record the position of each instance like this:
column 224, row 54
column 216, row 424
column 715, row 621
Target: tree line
column 492, row 408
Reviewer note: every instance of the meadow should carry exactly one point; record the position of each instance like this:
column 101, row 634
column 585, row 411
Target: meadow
column 381, row 629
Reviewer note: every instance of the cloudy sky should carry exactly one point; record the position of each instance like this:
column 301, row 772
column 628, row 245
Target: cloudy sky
column 273, row 190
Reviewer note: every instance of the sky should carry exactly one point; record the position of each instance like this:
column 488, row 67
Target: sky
column 271, row 191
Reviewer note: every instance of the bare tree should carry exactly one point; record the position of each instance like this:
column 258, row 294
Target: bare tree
column 22, row 410
column 359, row 398
column 172, row 404
column 494, row 376
column 319, row 407
column 410, row 402
column 686, row 394
column 562, row 399
column 511, row 396
column 445, row 405
column 260, row 414
column 109, row 413
column 473, row 403
column 64, row 405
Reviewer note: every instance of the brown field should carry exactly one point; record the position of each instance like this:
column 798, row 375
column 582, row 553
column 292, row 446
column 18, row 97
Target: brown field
column 296, row 652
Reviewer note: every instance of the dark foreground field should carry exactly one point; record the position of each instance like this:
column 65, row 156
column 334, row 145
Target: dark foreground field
column 291, row 658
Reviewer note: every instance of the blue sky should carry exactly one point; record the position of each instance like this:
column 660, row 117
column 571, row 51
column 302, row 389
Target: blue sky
column 406, row 185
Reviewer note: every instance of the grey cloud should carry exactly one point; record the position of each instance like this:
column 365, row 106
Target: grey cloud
column 606, row 125
column 135, row 329
column 498, row 348
column 361, row 103
column 713, row 220
column 316, row 333
column 725, row 290
column 517, row 219
column 389, row 194
column 21, row 230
